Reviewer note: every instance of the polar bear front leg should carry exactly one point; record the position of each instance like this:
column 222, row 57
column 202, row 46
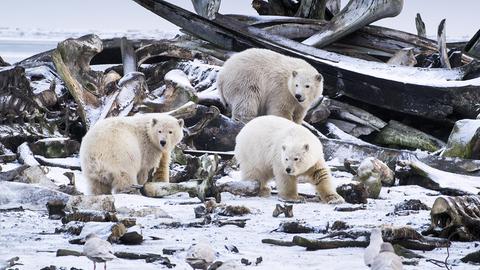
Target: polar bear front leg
column 123, row 181
column 280, row 111
column 320, row 177
column 286, row 186
column 162, row 174
column 299, row 115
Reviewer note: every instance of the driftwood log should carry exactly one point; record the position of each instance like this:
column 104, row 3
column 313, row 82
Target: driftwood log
column 448, row 96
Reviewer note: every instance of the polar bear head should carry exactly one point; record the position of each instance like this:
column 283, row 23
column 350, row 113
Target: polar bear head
column 297, row 157
column 306, row 86
column 165, row 131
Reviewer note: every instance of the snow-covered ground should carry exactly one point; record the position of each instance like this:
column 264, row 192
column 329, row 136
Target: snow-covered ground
column 30, row 234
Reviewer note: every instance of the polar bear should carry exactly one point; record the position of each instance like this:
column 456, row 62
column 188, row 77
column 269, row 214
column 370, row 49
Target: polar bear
column 119, row 152
column 271, row 146
column 262, row 82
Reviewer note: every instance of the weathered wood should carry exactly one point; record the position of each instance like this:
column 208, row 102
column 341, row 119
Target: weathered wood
column 473, row 45
column 414, row 172
column 312, row 9
column 442, row 45
column 420, row 26
column 281, row 243
column 330, row 244
column 129, row 59
column 355, row 15
column 403, row 92
column 206, row 8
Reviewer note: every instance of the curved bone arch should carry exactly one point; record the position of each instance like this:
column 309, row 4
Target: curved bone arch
column 355, row 15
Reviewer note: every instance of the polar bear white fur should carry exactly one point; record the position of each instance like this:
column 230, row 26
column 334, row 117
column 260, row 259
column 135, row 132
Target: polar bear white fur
column 262, row 82
column 271, row 146
column 119, row 152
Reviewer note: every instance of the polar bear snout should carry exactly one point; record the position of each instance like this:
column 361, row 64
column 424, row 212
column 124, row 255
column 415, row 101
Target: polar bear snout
column 163, row 142
column 300, row 97
column 288, row 170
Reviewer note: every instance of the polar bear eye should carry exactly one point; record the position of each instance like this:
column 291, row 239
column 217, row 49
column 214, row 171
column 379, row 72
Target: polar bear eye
column 296, row 159
column 159, row 131
column 170, row 132
column 296, row 85
column 286, row 159
column 307, row 86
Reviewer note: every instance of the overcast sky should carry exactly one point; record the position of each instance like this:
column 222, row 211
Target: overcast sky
column 122, row 15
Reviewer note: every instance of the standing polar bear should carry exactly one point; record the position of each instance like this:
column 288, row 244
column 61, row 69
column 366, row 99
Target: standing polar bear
column 119, row 152
column 271, row 146
column 262, row 82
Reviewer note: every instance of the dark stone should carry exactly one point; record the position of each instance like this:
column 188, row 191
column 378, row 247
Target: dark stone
column 131, row 238
column 353, row 193
column 56, row 209
column 339, row 225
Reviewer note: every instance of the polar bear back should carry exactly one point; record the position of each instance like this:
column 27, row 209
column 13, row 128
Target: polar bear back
column 259, row 82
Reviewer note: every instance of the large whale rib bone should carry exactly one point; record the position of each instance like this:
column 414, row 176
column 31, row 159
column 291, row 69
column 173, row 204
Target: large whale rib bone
column 355, row 15
column 206, row 8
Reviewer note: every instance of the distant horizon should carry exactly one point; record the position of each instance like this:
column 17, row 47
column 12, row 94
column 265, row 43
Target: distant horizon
column 125, row 15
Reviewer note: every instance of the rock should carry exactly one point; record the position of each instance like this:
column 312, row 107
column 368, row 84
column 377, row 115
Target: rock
column 413, row 205
column 353, row 193
column 104, row 203
column 232, row 210
column 56, row 209
column 35, row 175
column 28, row 194
column 156, row 211
column 373, row 173
column 286, row 209
column 90, row 216
column 133, row 236
column 200, row 255
column 73, row 228
column 464, row 140
column 111, row 231
column 339, row 225
column 55, row 147
column 172, row 250
column 6, row 155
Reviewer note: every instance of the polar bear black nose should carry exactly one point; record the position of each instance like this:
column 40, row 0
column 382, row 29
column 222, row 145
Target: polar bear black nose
column 163, row 143
column 288, row 170
column 298, row 96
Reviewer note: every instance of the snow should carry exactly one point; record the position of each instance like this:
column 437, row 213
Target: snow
column 29, row 234
column 178, row 77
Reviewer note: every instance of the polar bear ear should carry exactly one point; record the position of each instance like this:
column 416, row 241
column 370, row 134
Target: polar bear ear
column 319, row 77
column 180, row 122
column 154, row 122
column 306, row 147
column 294, row 73
column 284, row 147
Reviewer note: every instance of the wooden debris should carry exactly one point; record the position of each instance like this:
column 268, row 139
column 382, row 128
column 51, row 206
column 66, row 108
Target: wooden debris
column 442, row 45
column 354, row 16
column 286, row 210
column 298, row 227
column 278, row 242
column 415, row 172
column 420, row 26
column 318, row 244
column 404, row 57
column 206, row 8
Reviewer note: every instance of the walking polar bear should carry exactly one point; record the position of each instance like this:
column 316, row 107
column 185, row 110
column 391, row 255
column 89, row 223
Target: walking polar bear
column 271, row 146
column 119, row 152
column 262, row 82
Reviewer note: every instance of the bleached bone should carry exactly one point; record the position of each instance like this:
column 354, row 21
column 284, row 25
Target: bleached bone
column 206, row 8
column 354, row 16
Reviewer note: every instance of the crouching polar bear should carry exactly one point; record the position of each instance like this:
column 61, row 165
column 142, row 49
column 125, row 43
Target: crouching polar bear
column 262, row 82
column 271, row 146
column 119, row 152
